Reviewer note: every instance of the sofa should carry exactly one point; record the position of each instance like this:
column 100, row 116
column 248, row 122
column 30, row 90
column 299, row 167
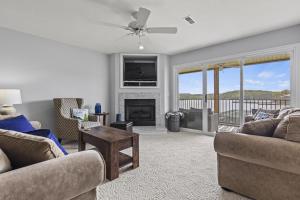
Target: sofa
column 75, row 176
column 259, row 161
column 34, row 167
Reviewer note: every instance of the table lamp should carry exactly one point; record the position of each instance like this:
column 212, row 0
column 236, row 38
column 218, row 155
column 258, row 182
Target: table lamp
column 9, row 97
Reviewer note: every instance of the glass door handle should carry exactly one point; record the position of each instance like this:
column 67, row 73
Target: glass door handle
column 205, row 98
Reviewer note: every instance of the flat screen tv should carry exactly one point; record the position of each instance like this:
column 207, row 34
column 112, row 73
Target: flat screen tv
column 140, row 71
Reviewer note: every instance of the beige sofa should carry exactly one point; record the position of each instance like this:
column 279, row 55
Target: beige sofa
column 75, row 176
column 41, row 171
column 258, row 167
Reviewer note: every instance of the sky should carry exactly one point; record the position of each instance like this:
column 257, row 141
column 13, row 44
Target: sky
column 274, row 76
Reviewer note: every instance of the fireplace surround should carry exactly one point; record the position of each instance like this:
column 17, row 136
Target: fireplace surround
column 140, row 111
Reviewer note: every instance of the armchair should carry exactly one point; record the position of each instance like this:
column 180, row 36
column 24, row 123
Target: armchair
column 67, row 127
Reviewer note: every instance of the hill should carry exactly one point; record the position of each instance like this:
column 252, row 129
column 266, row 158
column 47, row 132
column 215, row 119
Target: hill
column 248, row 94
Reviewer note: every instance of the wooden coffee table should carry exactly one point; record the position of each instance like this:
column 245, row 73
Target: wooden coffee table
column 110, row 141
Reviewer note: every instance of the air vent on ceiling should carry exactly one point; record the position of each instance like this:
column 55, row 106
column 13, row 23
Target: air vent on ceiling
column 189, row 19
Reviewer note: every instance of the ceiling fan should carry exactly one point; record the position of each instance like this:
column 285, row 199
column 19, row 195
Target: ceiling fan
column 138, row 26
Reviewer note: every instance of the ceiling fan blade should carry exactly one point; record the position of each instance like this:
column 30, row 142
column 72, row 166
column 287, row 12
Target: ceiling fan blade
column 142, row 17
column 113, row 25
column 167, row 30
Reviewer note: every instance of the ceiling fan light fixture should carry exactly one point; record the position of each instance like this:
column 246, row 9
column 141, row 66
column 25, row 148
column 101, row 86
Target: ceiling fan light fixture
column 141, row 47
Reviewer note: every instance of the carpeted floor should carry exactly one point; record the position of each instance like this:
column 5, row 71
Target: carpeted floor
column 172, row 166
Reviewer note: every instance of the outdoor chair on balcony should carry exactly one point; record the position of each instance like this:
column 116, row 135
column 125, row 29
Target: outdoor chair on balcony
column 193, row 119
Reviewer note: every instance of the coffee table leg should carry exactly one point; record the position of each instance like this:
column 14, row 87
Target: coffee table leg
column 81, row 143
column 112, row 162
column 135, row 151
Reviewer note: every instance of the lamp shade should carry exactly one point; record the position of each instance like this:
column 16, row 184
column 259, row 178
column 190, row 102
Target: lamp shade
column 10, row 96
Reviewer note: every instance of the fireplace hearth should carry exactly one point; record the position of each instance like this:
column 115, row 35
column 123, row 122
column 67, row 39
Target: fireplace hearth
column 140, row 111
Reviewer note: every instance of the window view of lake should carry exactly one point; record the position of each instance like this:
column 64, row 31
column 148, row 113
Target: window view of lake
column 266, row 86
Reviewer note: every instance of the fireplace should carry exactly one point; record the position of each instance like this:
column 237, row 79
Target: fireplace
column 140, row 111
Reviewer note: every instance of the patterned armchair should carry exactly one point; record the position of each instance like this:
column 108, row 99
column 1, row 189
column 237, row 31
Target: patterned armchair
column 67, row 127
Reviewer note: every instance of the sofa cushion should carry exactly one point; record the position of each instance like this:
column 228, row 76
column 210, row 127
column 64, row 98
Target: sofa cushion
column 281, row 129
column 293, row 128
column 4, row 162
column 263, row 127
column 19, row 123
column 48, row 134
column 284, row 112
column 25, row 149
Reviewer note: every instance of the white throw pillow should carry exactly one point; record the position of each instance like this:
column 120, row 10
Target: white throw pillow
column 4, row 162
column 82, row 114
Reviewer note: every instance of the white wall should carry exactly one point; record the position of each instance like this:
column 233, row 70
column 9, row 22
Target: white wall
column 44, row 69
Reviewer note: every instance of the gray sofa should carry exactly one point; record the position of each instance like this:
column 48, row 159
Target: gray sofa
column 75, row 176
column 262, row 160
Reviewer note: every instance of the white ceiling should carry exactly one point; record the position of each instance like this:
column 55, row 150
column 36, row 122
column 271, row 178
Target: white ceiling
column 76, row 22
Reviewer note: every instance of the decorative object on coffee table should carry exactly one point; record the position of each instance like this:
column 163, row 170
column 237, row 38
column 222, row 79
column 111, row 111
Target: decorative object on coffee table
column 8, row 98
column 97, row 108
column 110, row 141
column 127, row 126
column 104, row 115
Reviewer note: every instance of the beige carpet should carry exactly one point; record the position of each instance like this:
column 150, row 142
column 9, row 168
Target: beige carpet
column 172, row 166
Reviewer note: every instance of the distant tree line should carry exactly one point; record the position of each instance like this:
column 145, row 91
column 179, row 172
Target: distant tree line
column 248, row 94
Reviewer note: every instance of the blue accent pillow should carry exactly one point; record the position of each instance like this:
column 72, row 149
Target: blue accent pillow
column 19, row 123
column 48, row 134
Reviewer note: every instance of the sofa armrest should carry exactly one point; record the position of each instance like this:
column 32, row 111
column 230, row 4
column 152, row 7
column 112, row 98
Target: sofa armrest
column 36, row 124
column 267, row 151
column 61, row 178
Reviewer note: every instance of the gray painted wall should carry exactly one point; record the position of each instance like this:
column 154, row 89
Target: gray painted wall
column 44, row 69
column 277, row 38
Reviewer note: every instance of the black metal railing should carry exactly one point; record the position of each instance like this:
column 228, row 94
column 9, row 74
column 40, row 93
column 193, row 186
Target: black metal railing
column 229, row 109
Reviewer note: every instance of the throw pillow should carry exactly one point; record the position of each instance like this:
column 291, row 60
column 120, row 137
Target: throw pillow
column 284, row 112
column 82, row 114
column 48, row 134
column 263, row 115
column 19, row 123
column 293, row 129
column 25, row 149
column 4, row 162
column 263, row 127
column 281, row 129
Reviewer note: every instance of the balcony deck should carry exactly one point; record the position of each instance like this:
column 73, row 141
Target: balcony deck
column 229, row 114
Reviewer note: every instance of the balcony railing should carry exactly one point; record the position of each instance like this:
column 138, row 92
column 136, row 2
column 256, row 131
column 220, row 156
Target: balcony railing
column 229, row 108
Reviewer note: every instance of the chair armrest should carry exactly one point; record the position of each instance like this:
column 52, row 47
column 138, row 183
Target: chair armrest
column 94, row 118
column 36, row 124
column 61, row 178
column 267, row 151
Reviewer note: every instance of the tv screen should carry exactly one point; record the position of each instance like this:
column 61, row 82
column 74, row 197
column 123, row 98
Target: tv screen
column 140, row 71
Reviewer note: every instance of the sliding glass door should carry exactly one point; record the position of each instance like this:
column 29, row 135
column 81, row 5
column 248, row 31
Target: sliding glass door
column 190, row 85
column 219, row 96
